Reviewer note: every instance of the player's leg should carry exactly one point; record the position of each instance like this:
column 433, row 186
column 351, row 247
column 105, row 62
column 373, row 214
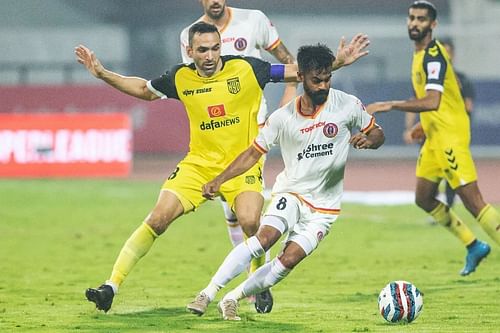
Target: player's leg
column 236, row 262
column 166, row 210
column 245, row 204
column 303, row 239
column 458, row 169
column 487, row 216
column 264, row 278
column 461, row 170
column 234, row 230
column 180, row 193
column 425, row 198
column 450, row 195
column 270, row 230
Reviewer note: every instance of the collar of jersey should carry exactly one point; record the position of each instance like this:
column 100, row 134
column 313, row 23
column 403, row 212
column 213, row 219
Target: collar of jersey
column 311, row 116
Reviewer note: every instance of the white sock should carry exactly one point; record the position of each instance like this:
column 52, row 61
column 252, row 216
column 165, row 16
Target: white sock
column 235, row 232
column 112, row 285
column 233, row 227
column 235, row 263
column 264, row 278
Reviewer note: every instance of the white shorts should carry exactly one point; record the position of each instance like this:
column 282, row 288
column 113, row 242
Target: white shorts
column 305, row 227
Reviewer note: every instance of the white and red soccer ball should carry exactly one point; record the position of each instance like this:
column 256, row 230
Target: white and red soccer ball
column 400, row 302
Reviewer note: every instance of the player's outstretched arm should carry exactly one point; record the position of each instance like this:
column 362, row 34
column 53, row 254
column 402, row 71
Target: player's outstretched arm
column 348, row 54
column 134, row 86
column 429, row 102
column 372, row 139
column 240, row 165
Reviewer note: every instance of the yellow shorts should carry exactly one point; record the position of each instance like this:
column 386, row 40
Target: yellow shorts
column 452, row 162
column 188, row 178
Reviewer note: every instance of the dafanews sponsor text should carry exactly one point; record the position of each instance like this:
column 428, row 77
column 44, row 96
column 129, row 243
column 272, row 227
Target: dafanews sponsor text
column 215, row 124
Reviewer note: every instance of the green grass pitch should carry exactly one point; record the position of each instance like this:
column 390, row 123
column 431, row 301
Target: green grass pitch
column 59, row 237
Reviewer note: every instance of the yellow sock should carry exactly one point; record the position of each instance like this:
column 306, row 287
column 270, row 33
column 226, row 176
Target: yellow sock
column 257, row 262
column 447, row 218
column 134, row 249
column 489, row 219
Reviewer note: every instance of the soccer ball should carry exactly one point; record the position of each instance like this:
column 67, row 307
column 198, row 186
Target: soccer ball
column 400, row 302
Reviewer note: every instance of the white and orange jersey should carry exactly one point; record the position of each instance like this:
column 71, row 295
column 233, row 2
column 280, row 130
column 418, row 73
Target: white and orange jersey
column 247, row 33
column 314, row 148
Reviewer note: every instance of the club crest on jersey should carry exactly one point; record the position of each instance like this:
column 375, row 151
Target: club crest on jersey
column 250, row 179
column 320, row 235
column 433, row 51
column 215, row 111
column 330, row 130
column 240, row 44
column 233, row 85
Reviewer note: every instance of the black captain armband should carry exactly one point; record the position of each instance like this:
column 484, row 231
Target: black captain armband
column 277, row 72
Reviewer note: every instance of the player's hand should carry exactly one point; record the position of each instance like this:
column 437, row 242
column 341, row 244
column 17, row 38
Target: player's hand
column 360, row 141
column 347, row 54
column 210, row 189
column 407, row 137
column 417, row 133
column 87, row 58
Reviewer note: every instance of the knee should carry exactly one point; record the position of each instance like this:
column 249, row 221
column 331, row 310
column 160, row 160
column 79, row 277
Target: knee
column 249, row 223
column 287, row 261
column 265, row 241
column 424, row 202
column 158, row 222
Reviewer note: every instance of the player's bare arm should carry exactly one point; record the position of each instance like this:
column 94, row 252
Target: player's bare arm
column 428, row 103
column 346, row 55
column 284, row 56
column 372, row 139
column 134, row 86
column 240, row 165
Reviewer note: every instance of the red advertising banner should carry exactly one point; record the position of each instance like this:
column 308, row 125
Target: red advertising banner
column 65, row 145
column 160, row 126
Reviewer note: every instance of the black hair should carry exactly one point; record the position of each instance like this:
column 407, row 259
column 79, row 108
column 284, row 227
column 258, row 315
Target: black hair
column 201, row 28
column 423, row 4
column 315, row 57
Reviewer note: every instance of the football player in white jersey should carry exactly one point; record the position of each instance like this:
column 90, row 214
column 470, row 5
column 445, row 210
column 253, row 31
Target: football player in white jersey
column 314, row 133
column 244, row 32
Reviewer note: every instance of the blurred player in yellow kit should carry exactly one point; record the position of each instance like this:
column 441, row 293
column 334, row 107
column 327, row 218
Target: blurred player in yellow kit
column 446, row 152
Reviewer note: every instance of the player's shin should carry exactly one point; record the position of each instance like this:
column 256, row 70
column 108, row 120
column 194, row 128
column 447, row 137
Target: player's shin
column 264, row 278
column 134, row 249
column 235, row 263
column 489, row 219
column 447, row 218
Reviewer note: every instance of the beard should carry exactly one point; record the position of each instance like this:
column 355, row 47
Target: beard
column 418, row 36
column 317, row 97
column 216, row 16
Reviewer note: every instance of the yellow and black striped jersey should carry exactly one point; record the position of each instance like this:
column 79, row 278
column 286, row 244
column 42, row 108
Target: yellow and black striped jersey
column 222, row 109
column 432, row 70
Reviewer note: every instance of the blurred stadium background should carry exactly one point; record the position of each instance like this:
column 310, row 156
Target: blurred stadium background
column 39, row 74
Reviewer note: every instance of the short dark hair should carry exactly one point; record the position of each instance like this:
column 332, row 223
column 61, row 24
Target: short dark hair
column 201, row 28
column 315, row 57
column 424, row 4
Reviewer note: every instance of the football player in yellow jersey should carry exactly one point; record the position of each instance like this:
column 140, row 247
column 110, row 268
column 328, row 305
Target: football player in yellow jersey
column 446, row 152
column 222, row 96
